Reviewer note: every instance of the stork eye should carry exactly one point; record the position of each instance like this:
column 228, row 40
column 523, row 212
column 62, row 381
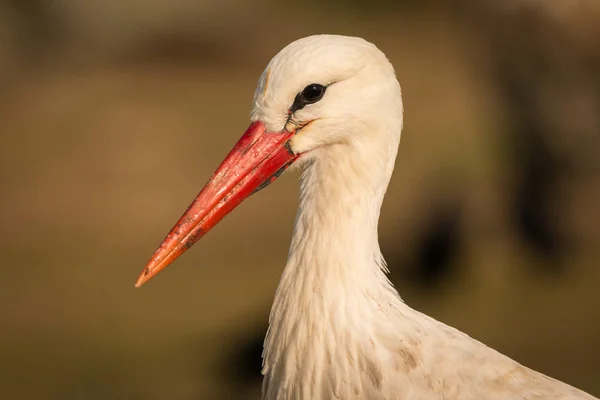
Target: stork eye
column 313, row 93
column 309, row 95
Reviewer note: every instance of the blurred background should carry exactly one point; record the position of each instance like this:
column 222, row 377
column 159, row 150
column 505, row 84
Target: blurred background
column 114, row 113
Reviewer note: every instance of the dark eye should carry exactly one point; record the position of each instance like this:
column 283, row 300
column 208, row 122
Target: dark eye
column 313, row 93
column 309, row 95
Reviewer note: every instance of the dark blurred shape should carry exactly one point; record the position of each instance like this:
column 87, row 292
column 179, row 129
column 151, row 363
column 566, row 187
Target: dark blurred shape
column 536, row 182
column 38, row 25
column 244, row 363
column 431, row 258
column 437, row 248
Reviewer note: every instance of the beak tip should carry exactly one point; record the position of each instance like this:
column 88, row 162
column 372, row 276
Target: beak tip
column 143, row 278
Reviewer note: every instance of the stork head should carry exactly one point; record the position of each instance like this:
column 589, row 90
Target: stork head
column 329, row 89
column 318, row 93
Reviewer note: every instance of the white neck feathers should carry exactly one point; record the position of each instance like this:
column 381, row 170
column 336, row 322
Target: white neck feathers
column 334, row 281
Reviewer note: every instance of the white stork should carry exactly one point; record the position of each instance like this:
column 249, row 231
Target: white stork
column 338, row 329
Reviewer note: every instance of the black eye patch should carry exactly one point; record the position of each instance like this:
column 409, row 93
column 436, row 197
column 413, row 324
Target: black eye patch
column 309, row 95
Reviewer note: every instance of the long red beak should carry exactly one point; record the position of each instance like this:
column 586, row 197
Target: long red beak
column 256, row 160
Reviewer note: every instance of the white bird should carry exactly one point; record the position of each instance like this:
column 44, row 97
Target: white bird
column 338, row 329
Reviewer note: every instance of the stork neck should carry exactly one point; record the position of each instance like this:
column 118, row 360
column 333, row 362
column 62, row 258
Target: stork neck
column 335, row 249
column 335, row 232
column 334, row 287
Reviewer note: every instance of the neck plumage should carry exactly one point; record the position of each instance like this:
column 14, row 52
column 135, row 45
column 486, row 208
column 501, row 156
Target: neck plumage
column 334, row 282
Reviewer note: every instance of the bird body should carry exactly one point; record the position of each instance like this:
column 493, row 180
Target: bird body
column 338, row 329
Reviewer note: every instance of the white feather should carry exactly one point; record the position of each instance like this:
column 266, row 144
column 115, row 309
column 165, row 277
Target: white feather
column 338, row 329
